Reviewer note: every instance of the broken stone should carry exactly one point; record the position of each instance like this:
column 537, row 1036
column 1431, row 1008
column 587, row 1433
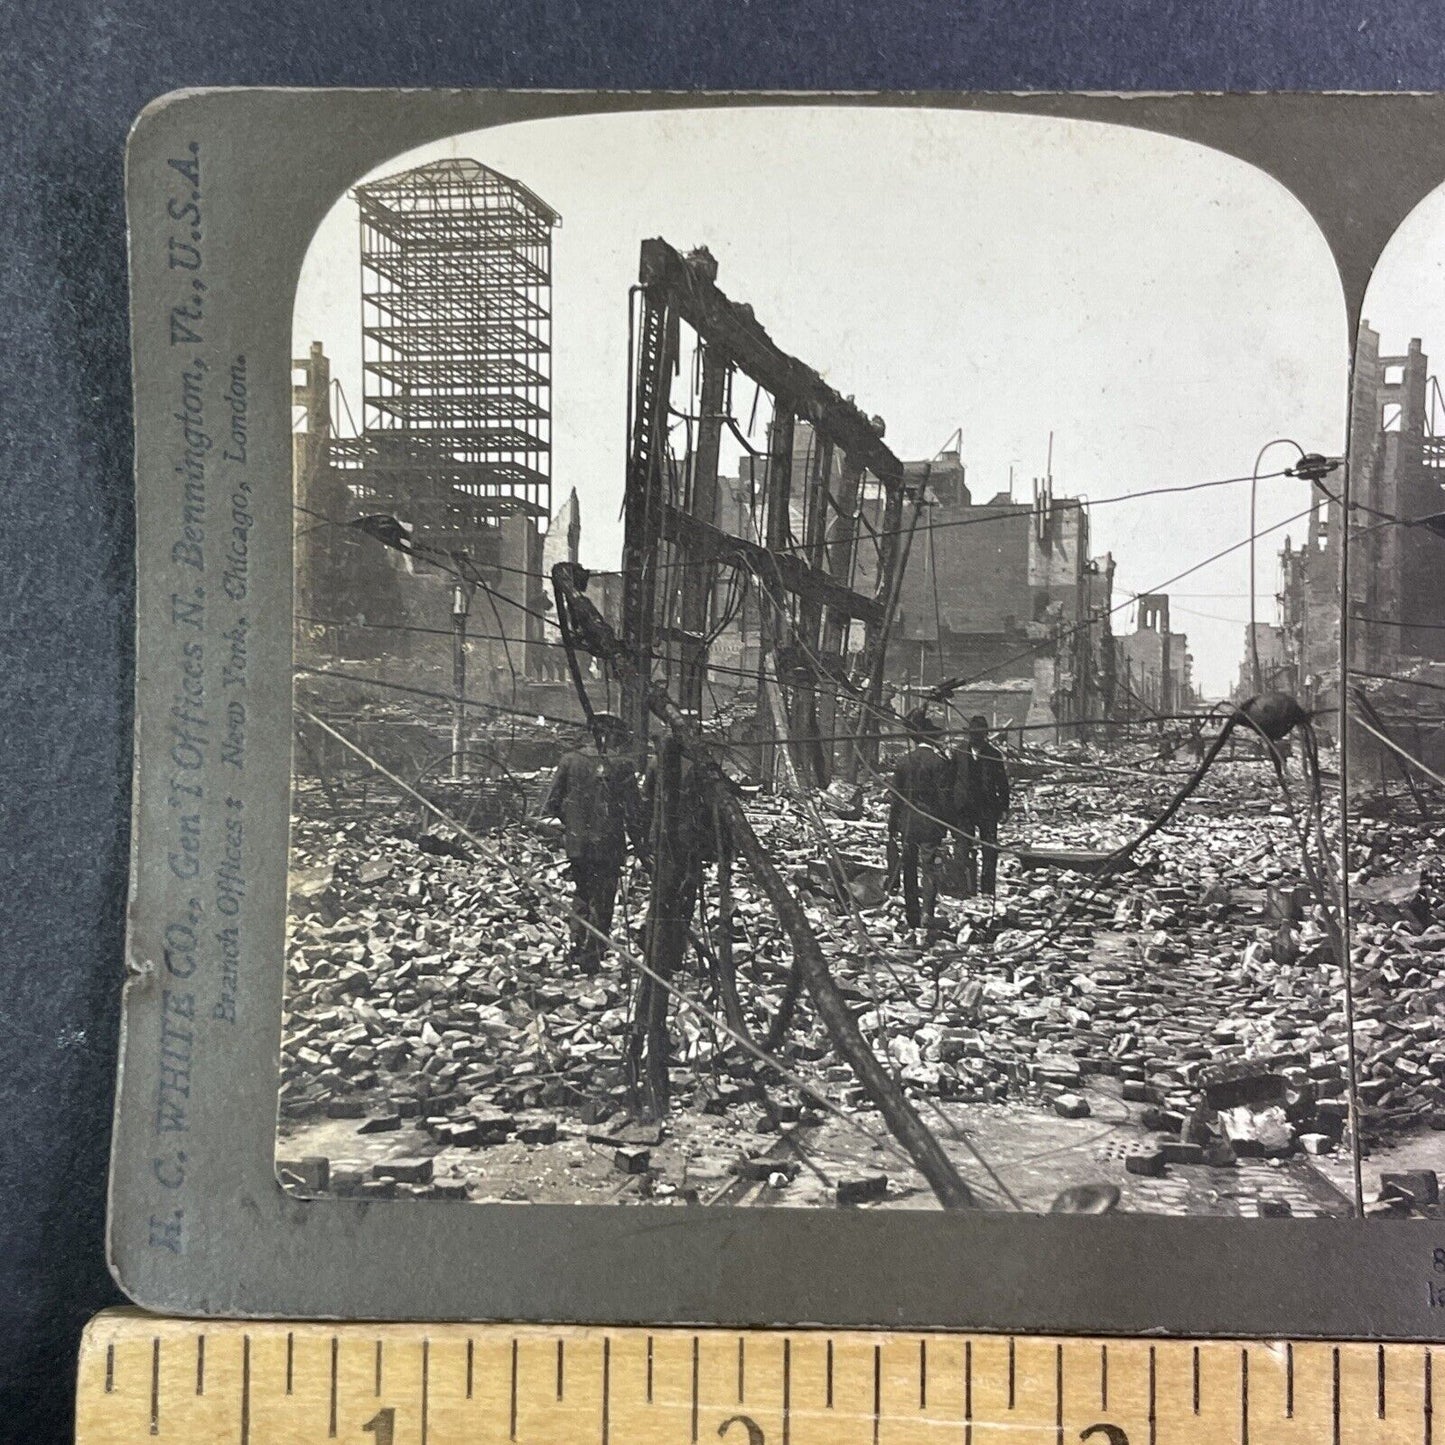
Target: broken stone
column 380, row 1124
column 347, row 1179
column 1071, row 1106
column 761, row 1168
column 1257, row 1133
column 1146, row 1161
column 1240, row 1081
column 403, row 1171
column 1417, row 1186
column 863, row 1190
column 632, row 1159
column 1176, row 1151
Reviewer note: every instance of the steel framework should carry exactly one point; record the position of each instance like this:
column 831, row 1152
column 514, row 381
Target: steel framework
column 456, row 270
column 801, row 577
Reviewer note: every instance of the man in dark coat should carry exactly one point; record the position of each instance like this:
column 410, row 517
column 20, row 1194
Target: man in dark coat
column 980, row 803
column 692, row 839
column 594, row 793
column 919, row 818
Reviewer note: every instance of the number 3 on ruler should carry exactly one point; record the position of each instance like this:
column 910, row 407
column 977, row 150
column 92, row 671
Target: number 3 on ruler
column 1112, row 1434
column 383, row 1426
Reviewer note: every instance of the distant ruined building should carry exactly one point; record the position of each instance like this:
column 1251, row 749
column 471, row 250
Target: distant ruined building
column 1154, row 670
column 1002, row 593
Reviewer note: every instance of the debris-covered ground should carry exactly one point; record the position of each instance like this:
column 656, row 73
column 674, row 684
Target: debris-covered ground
column 1180, row 1036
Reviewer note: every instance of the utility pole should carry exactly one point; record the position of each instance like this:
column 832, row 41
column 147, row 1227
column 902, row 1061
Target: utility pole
column 462, row 592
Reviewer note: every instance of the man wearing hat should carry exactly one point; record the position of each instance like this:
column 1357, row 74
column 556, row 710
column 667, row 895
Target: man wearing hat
column 980, row 799
column 919, row 818
column 594, row 792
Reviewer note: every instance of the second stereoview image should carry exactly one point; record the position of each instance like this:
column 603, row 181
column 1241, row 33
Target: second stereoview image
column 821, row 689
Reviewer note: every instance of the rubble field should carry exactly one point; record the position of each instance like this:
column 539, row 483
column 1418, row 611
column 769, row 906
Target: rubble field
column 1178, row 1035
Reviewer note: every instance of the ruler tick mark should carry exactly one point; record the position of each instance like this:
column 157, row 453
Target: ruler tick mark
column 1059, row 1394
column 1429, row 1398
column 606, row 1387
column 1379, row 1382
column 512, row 1408
column 290, row 1358
column 561, row 1369
column 425, row 1382
column 246, row 1390
column 1153, row 1397
column 200, row 1364
column 787, row 1390
column 1010, row 1372
column 1289, row 1380
column 877, row 1390
column 1103, row 1377
column 109, row 1369
column 968, row 1392
column 694, row 1389
column 742, row 1368
column 376, row 1374
column 156, row 1385
column 1196, row 1379
column 649, row 1369
column 1244, row 1397
column 335, row 1352
column 470, row 1352
column 923, row 1374
column 1335, row 1395
column 829, row 1376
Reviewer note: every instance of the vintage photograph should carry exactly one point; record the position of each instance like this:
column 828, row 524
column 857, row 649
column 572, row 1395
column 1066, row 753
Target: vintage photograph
column 816, row 648
column 1395, row 711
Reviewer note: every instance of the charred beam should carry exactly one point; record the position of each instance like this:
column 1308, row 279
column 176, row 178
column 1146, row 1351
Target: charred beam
column 782, row 569
column 733, row 329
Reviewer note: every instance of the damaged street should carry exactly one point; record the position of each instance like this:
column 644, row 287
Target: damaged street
column 1178, row 1035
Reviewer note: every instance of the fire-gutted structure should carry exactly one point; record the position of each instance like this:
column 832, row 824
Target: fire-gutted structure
column 1397, row 562
column 455, row 441
column 799, row 562
column 1397, row 580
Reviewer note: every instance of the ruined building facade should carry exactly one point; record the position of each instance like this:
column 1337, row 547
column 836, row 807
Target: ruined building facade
column 1002, row 593
column 1154, row 672
column 1397, row 573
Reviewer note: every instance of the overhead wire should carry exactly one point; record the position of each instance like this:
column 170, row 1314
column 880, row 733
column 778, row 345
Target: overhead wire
column 956, row 685
column 623, row 946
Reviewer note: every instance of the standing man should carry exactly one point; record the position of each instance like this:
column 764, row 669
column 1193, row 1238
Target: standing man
column 980, row 801
column 1196, row 738
column 919, row 818
column 595, row 795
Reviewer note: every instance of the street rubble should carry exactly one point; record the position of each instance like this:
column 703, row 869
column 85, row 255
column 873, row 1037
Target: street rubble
column 1177, row 1029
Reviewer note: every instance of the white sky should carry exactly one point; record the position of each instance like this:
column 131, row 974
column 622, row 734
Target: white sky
column 1162, row 308
column 1406, row 295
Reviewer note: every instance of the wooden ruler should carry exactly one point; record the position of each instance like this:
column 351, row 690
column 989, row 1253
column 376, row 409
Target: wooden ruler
column 145, row 1379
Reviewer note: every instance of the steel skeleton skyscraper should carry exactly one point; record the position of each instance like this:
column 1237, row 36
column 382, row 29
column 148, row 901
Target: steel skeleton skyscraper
column 456, row 265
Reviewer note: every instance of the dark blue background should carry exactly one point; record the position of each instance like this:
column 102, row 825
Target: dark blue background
column 72, row 77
